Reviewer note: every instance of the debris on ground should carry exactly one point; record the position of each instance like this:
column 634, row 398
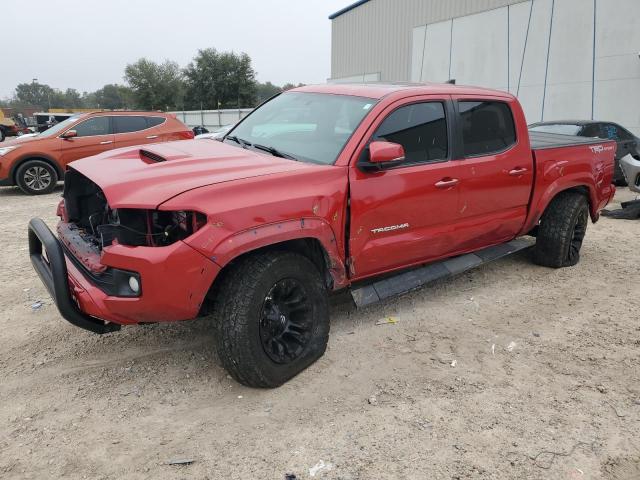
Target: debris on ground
column 319, row 467
column 37, row 305
column 290, row 476
column 387, row 320
column 454, row 363
column 181, row 461
column 601, row 388
column 511, row 346
column 629, row 211
column 372, row 400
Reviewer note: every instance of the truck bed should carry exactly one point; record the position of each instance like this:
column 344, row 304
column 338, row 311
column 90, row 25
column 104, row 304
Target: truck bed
column 542, row 141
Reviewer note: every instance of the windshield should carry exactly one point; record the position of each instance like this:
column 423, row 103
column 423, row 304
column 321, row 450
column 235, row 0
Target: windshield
column 559, row 128
column 311, row 127
column 59, row 127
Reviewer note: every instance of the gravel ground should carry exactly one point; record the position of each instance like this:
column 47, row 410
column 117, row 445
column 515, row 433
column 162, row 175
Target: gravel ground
column 511, row 371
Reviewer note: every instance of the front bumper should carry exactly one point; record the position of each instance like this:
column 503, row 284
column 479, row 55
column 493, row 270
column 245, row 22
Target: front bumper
column 53, row 273
column 175, row 281
column 6, row 182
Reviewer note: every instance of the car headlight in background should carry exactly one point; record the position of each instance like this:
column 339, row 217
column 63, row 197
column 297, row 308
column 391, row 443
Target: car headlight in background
column 5, row 150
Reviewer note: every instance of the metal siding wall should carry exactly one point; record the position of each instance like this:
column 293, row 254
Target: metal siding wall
column 377, row 36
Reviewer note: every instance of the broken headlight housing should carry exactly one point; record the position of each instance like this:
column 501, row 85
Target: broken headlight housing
column 152, row 228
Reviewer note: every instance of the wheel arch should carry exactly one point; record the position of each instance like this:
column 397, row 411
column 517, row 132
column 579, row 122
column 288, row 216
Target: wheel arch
column 332, row 270
column 43, row 158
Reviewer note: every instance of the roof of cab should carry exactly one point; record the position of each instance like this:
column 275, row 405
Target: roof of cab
column 381, row 90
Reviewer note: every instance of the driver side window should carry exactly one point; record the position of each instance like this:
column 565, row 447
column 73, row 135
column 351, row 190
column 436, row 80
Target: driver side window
column 93, row 126
column 421, row 128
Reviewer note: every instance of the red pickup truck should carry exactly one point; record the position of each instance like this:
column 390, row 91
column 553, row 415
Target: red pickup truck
column 377, row 188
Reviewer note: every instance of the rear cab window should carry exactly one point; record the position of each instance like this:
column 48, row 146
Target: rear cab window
column 487, row 127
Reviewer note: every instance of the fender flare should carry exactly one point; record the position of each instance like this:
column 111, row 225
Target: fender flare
column 224, row 250
column 560, row 185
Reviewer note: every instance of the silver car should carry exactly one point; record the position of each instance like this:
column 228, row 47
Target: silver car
column 631, row 168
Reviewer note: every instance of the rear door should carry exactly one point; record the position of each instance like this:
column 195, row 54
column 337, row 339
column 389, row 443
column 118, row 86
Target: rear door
column 94, row 136
column 405, row 214
column 132, row 130
column 496, row 173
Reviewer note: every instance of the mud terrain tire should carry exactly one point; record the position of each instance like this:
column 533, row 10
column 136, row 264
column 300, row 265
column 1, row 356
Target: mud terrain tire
column 272, row 318
column 561, row 231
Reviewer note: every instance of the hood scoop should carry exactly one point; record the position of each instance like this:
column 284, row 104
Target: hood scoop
column 151, row 157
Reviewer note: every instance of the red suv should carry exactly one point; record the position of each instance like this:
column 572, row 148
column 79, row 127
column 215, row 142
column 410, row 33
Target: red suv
column 36, row 163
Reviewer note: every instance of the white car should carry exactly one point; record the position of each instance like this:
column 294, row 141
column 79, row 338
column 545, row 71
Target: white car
column 217, row 135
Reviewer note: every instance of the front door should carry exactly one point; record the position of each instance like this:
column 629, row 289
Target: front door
column 405, row 214
column 93, row 137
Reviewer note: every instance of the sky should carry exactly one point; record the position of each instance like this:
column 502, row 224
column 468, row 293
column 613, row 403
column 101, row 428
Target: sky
column 87, row 44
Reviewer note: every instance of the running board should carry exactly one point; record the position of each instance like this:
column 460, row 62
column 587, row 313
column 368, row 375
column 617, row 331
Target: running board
column 413, row 279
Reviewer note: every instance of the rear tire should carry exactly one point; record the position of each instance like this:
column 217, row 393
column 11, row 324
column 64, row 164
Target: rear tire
column 2, row 135
column 36, row 177
column 561, row 232
column 272, row 318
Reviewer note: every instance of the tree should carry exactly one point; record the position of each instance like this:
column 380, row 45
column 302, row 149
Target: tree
column 34, row 93
column 289, row 86
column 264, row 91
column 113, row 97
column 220, row 80
column 155, row 86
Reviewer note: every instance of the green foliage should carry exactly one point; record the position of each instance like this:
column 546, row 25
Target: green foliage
column 113, row 97
column 212, row 80
column 220, row 80
column 155, row 86
column 264, row 91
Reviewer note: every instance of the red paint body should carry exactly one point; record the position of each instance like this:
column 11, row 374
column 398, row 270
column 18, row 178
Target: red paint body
column 254, row 200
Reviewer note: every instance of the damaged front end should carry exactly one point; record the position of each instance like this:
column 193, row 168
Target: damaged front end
column 85, row 210
column 89, row 225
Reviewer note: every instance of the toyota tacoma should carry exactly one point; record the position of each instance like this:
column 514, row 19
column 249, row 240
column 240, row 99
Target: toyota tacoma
column 376, row 188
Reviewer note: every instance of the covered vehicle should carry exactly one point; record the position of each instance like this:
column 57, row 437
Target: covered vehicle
column 627, row 142
column 376, row 188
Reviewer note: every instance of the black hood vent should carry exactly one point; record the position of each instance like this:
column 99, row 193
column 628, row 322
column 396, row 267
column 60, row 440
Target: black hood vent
column 154, row 157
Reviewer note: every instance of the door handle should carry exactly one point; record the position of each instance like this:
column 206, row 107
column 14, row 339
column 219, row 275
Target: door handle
column 447, row 182
column 106, row 142
column 150, row 137
column 516, row 172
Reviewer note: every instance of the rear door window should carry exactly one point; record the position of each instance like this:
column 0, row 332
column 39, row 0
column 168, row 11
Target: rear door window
column 129, row 123
column 421, row 128
column 154, row 121
column 487, row 127
column 93, row 127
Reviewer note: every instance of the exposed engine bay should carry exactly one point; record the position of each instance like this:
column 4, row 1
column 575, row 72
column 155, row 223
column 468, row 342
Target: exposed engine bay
column 89, row 217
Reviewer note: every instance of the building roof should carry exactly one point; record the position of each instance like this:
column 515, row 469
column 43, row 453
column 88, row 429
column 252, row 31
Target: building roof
column 347, row 9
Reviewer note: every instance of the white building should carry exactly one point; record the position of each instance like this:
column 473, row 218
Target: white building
column 564, row 59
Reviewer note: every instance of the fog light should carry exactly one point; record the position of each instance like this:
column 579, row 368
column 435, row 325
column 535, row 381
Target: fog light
column 134, row 284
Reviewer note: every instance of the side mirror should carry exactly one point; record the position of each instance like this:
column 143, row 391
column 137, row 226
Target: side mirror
column 383, row 154
column 69, row 134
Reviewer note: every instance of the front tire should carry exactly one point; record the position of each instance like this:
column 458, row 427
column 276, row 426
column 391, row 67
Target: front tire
column 36, row 177
column 272, row 318
column 562, row 230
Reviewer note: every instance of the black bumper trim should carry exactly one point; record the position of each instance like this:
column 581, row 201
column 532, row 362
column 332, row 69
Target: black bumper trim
column 6, row 182
column 53, row 274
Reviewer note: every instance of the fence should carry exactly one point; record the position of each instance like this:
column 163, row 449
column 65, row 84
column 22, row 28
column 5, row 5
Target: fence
column 212, row 119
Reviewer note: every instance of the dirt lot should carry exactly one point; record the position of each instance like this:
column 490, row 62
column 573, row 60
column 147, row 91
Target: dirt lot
column 511, row 371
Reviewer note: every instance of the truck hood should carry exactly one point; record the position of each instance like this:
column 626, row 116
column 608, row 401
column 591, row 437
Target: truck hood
column 148, row 175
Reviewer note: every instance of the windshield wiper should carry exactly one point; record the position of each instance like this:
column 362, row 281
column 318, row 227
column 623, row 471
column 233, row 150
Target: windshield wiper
column 275, row 152
column 239, row 141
